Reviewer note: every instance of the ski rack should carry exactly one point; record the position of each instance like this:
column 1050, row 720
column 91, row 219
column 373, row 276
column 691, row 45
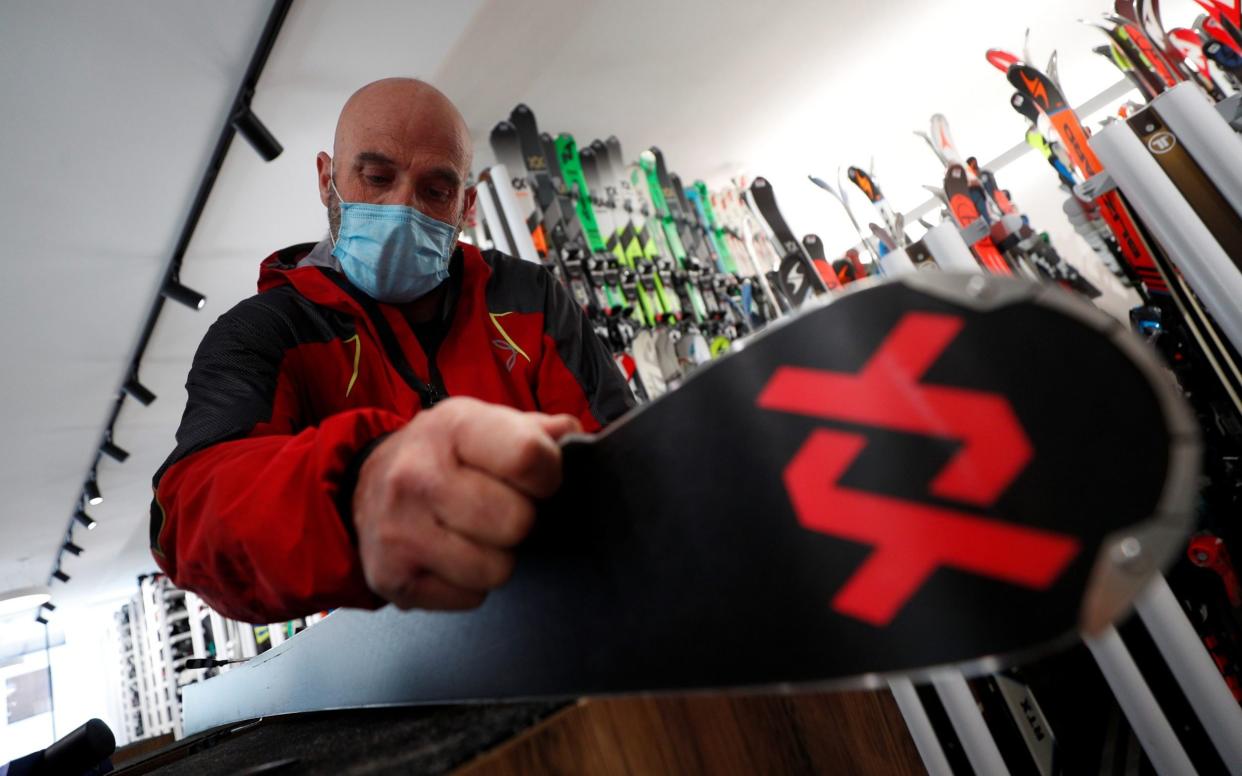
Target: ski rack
column 946, row 245
column 1148, row 720
column 1183, row 651
column 896, row 262
column 1119, row 89
column 950, row 250
column 1196, row 251
column 1131, row 166
column 1207, row 134
column 1229, row 108
column 1202, row 131
column 920, row 727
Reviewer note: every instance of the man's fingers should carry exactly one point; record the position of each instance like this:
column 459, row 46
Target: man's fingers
column 509, row 445
column 428, row 591
column 484, row 509
column 461, row 562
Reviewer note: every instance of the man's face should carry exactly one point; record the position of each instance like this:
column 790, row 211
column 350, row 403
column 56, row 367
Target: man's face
column 391, row 152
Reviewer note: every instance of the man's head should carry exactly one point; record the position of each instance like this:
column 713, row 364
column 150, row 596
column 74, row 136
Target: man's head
column 399, row 141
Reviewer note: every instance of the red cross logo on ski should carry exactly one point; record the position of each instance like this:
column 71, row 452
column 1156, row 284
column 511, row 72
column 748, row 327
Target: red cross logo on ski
column 911, row 540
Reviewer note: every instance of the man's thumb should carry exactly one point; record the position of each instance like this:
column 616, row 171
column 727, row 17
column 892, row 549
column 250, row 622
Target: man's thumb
column 557, row 426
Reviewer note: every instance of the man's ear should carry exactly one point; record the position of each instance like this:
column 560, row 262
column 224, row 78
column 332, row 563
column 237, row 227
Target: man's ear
column 323, row 168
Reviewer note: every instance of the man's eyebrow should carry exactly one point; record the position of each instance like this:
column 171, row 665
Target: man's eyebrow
column 448, row 174
column 375, row 157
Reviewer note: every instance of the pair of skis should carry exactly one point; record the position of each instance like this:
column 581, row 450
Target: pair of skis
column 798, row 275
column 965, row 197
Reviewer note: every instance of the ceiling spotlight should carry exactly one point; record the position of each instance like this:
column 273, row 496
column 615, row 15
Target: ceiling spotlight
column 86, row 520
column 62, row 576
column 115, row 452
column 41, row 619
column 93, row 496
column 23, row 598
column 257, row 135
column 71, row 547
column 187, row 296
column 51, row 607
column 139, row 391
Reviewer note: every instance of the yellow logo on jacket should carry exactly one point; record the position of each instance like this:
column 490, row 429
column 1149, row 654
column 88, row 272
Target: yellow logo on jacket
column 507, row 344
column 357, row 359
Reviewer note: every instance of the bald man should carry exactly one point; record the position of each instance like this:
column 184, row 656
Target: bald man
column 377, row 423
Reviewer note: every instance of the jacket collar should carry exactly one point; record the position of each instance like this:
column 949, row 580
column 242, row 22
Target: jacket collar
column 304, row 266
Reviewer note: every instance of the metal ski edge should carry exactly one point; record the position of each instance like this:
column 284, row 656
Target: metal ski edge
column 227, row 699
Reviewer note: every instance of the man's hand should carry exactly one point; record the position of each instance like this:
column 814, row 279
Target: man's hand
column 440, row 504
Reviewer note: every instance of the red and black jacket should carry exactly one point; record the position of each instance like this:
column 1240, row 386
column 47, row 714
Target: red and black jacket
column 291, row 387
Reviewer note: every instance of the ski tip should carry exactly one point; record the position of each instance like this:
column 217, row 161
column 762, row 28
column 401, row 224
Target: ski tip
column 1000, row 59
column 819, row 182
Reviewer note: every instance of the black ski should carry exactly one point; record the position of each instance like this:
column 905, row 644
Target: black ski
column 889, row 491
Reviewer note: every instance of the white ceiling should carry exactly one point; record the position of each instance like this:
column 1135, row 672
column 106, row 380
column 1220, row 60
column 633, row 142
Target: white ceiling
column 111, row 110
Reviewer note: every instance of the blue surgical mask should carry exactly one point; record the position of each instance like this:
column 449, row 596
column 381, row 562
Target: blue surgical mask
column 392, row 253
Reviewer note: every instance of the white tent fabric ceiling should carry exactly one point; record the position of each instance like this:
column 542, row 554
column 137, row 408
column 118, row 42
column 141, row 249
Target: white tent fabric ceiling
column 111, row 111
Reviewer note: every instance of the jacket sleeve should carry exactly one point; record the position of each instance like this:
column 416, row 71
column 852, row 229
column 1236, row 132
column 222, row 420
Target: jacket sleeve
column 577, row 374
column 250, row 511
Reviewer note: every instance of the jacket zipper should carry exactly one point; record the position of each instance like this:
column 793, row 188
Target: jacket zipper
column 436, row 391
column 428, row 393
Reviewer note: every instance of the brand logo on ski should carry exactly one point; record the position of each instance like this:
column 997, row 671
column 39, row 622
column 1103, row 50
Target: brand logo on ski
column 910, row 540
column 1162, row 142
column 1036, row 88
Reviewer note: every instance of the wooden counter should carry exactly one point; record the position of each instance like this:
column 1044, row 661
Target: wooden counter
column 831, row 733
